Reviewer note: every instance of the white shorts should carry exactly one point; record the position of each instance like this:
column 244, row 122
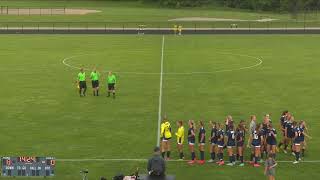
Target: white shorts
column 220, row 146
column 256, row 146
column 297, row 144
column 202, row 144
column 229, row 147
column 191, row 144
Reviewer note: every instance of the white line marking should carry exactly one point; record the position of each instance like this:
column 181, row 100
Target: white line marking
column 144, row 160
column 160, row 92
column 259, row 62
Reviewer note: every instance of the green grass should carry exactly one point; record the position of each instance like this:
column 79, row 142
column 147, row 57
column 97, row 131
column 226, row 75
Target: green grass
column 42, row 114
column 130, row 12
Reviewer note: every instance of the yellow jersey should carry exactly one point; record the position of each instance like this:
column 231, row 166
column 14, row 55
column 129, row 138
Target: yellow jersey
column 180, row 135
column 165, row 130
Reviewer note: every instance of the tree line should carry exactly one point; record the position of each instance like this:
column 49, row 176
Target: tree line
column 265, row 5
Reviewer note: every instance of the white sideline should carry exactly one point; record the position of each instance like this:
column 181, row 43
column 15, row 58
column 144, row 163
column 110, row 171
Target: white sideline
column 160, row 92
column 144, row 160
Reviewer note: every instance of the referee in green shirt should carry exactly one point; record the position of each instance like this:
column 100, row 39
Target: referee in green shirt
column 95, row 81
column 82, row 82
column 111, row 81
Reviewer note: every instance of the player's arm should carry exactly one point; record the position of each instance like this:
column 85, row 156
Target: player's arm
column 285, row 132
column 262, row 140
column 202, row 137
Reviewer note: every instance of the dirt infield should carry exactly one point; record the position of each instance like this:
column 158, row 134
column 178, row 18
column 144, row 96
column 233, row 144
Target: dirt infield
column 45, row 11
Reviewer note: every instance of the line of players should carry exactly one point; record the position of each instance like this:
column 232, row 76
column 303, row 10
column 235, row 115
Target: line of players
column 262, row 139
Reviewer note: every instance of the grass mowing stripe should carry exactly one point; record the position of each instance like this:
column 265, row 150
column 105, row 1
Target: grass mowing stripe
column 160, row 92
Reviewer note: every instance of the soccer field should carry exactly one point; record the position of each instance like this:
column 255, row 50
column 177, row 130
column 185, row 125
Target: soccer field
column 203, row 78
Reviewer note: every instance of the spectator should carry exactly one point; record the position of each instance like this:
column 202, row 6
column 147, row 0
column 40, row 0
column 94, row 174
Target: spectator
column 156, row 164
column 270, row 167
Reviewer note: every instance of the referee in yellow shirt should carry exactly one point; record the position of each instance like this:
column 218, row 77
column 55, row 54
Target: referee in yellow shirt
column 180, row 139
column 166, row 136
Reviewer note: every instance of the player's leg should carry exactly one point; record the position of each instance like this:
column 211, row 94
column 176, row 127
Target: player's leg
column 201, row 150
column 85, row 88
column 297, row 152
column 108, row 90
column 97, row 88
column 114, row 90
column 168, row 145
column 193, row 155
column 163, row 147
column 230, row 154
column 212, row 152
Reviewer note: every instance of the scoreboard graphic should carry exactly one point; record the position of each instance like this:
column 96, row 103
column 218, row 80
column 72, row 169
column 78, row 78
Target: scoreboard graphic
column 27, row 166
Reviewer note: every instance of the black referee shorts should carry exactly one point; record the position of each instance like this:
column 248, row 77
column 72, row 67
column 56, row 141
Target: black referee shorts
column 83, row 84
column 111, row 86
column 95, row 84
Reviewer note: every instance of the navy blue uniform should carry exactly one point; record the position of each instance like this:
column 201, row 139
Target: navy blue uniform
column 202, row 131
column 271, row 136
column 290, row 129
column 220, row 138
column 256, row 138
column 191, row 137
column 214, row 136
column 231, row 138
column 240, row 136
column 300, row 136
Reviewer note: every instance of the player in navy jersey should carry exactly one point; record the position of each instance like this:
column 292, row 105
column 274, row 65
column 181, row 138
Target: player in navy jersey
column 191, row 140
column 231, row 143
column 271, row 140
column 202, row 142
column 256, row 139
column 303, row 126
column 220, row 143
column 213, row 141
column 240, row 137
column 264, row 129
column 283, row 120
column 297, row 140
column 289, row 133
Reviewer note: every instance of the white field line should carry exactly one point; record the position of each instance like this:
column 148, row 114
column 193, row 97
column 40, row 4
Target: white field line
column 160, row 92
column 259, row 62
column 144, row 160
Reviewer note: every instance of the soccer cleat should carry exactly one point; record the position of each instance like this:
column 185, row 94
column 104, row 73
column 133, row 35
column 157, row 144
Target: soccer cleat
column 256, row 165
column 285, row 151
column 201, row 162
column 251, row 162
column 221, row 163
column 242, row 164
column 261, row 160
column 295, row 162
column 300, row 159
column 210, row 161
column 230, row 164
column 293, row 154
